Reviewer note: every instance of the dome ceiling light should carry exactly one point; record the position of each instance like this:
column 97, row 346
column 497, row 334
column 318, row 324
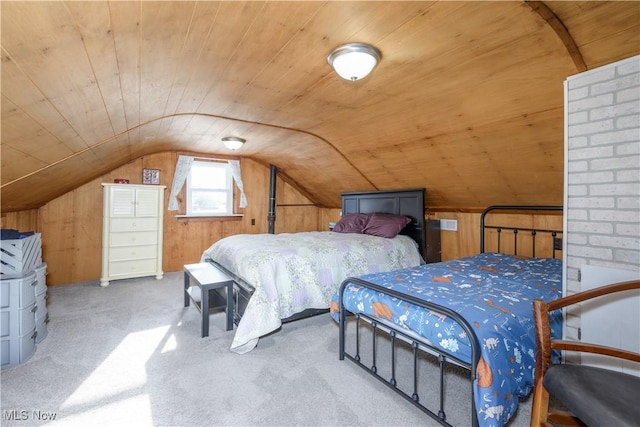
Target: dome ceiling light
column 233, row 142
column 354, row 61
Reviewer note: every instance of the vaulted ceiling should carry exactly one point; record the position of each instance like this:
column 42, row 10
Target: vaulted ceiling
column 467, row 100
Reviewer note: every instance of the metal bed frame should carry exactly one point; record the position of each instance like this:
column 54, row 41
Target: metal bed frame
column 556, row 241
column 417, row 344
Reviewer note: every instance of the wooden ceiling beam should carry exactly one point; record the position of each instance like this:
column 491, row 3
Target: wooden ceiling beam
column 561, row 31
column 216, row 116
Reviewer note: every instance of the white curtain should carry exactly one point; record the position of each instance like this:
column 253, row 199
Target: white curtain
column 183, row 167
column 237, row 177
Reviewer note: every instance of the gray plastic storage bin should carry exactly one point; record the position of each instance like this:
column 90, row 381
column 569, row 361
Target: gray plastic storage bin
column 41, row 314
column 41, row 328
column 41, row 277
column 17, row 350
column 18, row 321
column 18, row 291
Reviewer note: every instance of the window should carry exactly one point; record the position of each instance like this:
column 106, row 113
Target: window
column 209, row 189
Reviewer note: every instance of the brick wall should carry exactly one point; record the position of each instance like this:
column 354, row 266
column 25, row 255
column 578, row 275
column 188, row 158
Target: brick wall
column 602, row 177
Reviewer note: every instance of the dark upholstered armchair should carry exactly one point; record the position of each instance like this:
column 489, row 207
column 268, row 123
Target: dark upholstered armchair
column 592, row 396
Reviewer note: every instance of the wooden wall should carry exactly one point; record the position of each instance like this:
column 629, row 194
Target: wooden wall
column 22, row 220
column 71, row 225
column 466, row 241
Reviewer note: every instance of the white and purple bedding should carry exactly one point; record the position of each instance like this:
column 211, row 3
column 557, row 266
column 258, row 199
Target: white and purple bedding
column 292, row 272
column 494, row 293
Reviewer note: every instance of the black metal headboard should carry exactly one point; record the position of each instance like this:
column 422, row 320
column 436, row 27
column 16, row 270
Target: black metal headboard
column 554, row 235
column 408, row 202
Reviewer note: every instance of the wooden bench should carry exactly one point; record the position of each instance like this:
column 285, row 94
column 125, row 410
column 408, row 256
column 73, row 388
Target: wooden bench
column 206, row 277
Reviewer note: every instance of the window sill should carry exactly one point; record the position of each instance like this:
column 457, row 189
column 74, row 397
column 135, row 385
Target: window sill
column 209, row 217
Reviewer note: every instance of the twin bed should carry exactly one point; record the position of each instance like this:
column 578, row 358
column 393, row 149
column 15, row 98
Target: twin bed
column 474, row 312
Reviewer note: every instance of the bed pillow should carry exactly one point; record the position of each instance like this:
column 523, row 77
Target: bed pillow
column 351, row 223
column 386, row 225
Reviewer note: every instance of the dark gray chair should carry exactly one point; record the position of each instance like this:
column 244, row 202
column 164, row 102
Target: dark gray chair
column 591, row 396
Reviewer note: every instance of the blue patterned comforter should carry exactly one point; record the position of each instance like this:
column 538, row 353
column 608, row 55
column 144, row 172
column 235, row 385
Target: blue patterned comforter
column 494, row 293
column 292, row 272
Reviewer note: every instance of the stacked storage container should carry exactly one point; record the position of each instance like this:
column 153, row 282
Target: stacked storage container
column 41, row 315
column 23, row 294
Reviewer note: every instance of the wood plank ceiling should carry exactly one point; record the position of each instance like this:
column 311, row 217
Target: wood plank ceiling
column 467, row 100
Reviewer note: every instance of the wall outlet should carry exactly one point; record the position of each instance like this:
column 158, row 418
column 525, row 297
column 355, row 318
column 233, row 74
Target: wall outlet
column 449, row 224
column 557, row 243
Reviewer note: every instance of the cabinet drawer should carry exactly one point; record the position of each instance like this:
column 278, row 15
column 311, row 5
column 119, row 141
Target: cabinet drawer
column 135, row 267
column 17, row 323
column 133, row 224
column 41, row 276
column 127, row 253
column 18, row 292
column 41, row 306
column 134, row 239
column 41, row 328
column 17, row 350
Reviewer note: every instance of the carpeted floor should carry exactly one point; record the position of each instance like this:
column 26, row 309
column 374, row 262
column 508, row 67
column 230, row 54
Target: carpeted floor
column 130, row 354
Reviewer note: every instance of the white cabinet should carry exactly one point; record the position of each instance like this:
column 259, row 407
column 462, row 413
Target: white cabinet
column 132, row 231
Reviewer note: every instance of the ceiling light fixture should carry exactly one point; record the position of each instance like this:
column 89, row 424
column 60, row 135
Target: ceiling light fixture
column 354, row 61
column 233, row 142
